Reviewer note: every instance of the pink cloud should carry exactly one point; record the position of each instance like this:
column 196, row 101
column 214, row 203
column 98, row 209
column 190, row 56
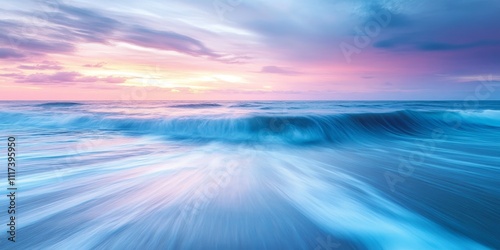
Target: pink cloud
column 62, row 77
column 97, row 65
column 278, row 70
column 111, row 79
column 45, row 65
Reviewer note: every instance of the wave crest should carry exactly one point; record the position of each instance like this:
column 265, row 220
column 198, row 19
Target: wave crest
column 196, row 105
column 265, row 128
column 59, row 104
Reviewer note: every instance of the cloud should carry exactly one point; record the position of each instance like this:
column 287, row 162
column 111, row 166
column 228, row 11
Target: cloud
column 59, row 77
column 314, row 32
column 12, row 75
column 165, row 40
column 72, row 25
column 111, row 79
column 62, row 78
column 278, row 70
column 97, row 65
column 422, row 38
column 45, row 65
column 436, row 46
column 32, row 39
column 10, row 53
column 407, row 42
column 172, row 41
column 85, row 24
column 60, row 33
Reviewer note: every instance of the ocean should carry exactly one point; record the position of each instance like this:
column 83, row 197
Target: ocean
column 253, row 174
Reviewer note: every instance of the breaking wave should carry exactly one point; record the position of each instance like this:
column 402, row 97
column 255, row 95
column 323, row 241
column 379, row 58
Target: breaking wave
column 60, row 104
column 196, row 105
column 303, row 129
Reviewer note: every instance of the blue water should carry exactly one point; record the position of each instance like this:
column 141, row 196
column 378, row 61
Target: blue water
column 255, row 175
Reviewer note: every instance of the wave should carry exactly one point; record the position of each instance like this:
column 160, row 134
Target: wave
column 245, row 105
column 251, row 187
column 196, row 105
column 486, row 117
column 59, row 104
column 304, row 129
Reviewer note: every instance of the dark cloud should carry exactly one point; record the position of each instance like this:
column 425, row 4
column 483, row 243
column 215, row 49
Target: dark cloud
column 387, row 43
column 432, row 46
column 415, row 43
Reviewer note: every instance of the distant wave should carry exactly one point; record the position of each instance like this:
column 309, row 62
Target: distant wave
column 196, row 105
column 59, row 104
column 244, row 105
column 267, row 128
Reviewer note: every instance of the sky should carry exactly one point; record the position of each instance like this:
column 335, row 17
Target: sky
column 250, row 50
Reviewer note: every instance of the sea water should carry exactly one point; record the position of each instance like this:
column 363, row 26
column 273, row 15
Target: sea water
column 254, row 174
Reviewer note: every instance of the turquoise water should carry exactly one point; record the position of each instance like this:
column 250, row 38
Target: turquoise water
column 255, row 175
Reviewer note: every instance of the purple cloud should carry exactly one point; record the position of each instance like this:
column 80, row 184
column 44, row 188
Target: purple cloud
column 10, row 53
column 97, row 65
column 278, row 70
column 62, row 77
column 59, row 77
column 10, row 37
column 86, row 25
column 12, row 75
column 165, row 40
column 72, row 25
column 45, row 65
column 112, row 79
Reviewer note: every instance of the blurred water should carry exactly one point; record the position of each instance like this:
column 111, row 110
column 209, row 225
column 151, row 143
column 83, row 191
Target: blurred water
column 255, row 175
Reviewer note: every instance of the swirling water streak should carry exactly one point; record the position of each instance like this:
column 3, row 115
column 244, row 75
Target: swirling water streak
column 256, row 175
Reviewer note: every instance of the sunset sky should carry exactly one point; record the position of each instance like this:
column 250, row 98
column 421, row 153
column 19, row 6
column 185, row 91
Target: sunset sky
column 248, row 49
